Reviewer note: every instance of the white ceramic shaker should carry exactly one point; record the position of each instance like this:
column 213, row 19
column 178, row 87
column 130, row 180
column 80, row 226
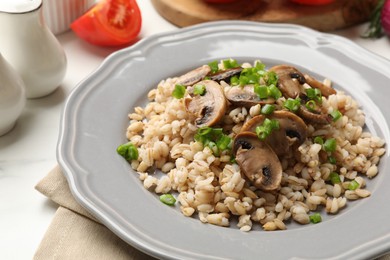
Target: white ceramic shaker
column 12, row 96
column 30, row 47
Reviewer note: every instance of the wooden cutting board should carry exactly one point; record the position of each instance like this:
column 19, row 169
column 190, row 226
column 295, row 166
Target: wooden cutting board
column 340, row 14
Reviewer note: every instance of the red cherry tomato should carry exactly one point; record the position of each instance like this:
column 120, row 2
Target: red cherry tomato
column 109, row 23
column 220, row 1
column 312, row 2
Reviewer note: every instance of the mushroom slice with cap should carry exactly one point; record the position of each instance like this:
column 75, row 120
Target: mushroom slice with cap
column 257, row 161
column 225, row 74
column 194, row 76
column 208, row 108
column 326, row 91
column 290, row 80
column 245, row 96
column 316, row 116
column 292, row 130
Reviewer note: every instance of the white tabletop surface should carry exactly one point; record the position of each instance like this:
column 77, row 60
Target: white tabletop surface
column 28, row 152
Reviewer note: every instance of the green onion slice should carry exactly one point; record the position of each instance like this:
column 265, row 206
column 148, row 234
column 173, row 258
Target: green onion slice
column 199, row 89
column 264, row 130
column 272, row 78
column 229, row 63
column 234, row 81
column 330, row 145
column 334, row 178
column 168, row 199
column 179, row 91
column 213, row 66
column 292, row 104
column 319, row 140
column 353, row 185
column 274, row 92
column 315, row 218
column 224, row 142
column 311, row 105
column 128, row 151
column 314, row 94
column 267, row 109
column 214, row 138
column 336, row 115
column 261, row 91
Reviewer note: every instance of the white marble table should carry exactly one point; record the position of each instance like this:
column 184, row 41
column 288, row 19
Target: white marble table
column 28, row 152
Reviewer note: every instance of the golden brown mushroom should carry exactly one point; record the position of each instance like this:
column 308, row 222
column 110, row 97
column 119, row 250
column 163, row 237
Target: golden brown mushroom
column 208, row 108
column 257, row 161
column 314, row 116
column 292, row 130
column 193, row 76
column 326, row 91
column 290, row 80
column 225, row 74
column 245, row 96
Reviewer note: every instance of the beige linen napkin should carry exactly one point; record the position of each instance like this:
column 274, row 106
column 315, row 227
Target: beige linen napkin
column 74, row 233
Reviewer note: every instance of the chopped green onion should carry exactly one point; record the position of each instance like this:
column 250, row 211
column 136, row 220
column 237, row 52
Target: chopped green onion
column 314, row 94
column 292, row 104
column 265, row 129
column 214, row 66
column 243, row 80
column 274, row 92
column 253, row 79
column 168, row 199
column 267, row 109
column 261, row 91
column 259, row 66
column 128, row 151
column 332, row 160
column 336, row 115
column 213, row 147
column 311, row 105
column 224, row 142
column 334, row 178
column 229, row 63
column 214, row 138
column 272, row 78
column 234, row 81
column 353, row 185
column 315, row 218
column 204, row 130
column 319, row 140
column 330, row 145
column 179, row 91
column 199, row 89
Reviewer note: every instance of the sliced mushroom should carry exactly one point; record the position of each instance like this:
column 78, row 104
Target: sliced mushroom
column 194, row 76
column 316, row 116
column 225, row 74
column 208, row 108
column 292, row 130
column 257, row 161
column 290, row 80
column 326, row 91
column 245, row 96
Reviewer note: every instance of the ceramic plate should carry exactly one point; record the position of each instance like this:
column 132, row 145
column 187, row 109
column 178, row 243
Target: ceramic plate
column 94, row 122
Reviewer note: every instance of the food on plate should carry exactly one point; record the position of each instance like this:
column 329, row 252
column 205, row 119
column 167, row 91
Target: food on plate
column 264, row 146
column 110, row 23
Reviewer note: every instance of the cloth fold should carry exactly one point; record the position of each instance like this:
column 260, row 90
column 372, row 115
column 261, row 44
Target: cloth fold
column 74, row 233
